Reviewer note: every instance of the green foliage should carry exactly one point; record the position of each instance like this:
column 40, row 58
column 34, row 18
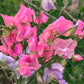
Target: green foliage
column 74, row 71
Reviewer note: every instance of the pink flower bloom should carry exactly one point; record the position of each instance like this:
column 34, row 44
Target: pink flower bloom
column 28, row 32
column 48, row 35
column 23, row 15
column 33, row 43
column 63, row 47
column 79, row 29
column 40, row 48
column 10, row 40
column 25, row 69
column 48, row 5
column 43, row 18
column 20, row 32
column 34, row 63
column 28, row 63
column 4, row 49
column 34, row 17
column 43, row 50
column 8, row 20
column 17, row 50
column 77, row 58
column 61, row 25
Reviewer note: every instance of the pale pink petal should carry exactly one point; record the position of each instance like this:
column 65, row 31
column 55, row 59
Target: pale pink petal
column 43, row 18
column 4, row 49
column 35, row 63
column 20, row 33
column 18, row 49
column 33, row 43
column 60, row 46
column 79, row 29
column 8, row 20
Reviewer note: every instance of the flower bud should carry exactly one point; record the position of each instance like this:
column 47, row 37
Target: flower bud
column 77, row 58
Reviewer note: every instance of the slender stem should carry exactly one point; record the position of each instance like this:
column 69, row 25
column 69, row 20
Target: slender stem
column 28, row 3
column 7, row 76
column 39, row 17
column 3, row 40
column 63, row 8
column 25, row 80
column 69, row 15
column 42, row 10
column 64, row 32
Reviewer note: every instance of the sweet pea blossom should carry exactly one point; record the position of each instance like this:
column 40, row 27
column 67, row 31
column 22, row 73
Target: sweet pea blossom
column 64, row 47
column 10, row 62
column 79, row 30
column 48, row 5
column 60, row 26
column 77, row 57
column 28, row 63
column 54, row 73
column 17, row 50
column 6, row 58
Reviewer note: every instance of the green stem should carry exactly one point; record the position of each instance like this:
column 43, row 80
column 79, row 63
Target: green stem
column 63, row 8
column 3, row 40
column 64, row 32
column 39, row 17
column 7, row 76
column 25, row 80
column 69, row 15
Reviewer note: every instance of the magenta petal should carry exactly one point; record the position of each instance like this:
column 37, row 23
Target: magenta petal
column 18, row 49
column 8, row 20
column 43, row 18
column 20, row 11
column 40, row 48
column 33, row 43
column 4, row 49
column 20, row 33
column 27, row 32
column 34, row 63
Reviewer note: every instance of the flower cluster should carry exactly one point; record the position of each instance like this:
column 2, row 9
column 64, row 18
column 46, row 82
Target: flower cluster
column 21, row 42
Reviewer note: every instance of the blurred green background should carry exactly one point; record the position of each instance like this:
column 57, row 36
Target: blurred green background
column 74, row 71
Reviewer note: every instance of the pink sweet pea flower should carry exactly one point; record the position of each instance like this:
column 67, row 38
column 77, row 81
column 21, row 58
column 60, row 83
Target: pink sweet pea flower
column 40, row 48
column 46, row 35
column 34, row 17
column 4, row 49
column 17, row 50
column 61, row 25
column 34, row 63
column 25, row 69
column 77, row 57
column 23, row 15
column 28, row 63
column 8, row 20
column 48, row 5
column 20, row 32
column 63, row 47
column 43, row 18
column 28, row 32
column 79, row 29
column 33, row 43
